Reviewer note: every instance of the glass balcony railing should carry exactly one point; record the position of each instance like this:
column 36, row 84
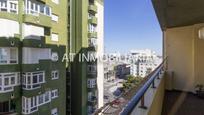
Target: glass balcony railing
column 36, row 8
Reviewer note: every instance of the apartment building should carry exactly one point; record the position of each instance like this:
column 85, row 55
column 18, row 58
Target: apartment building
column 122, row 70
column 86, row 36
column 144, row 62
column 33, row 40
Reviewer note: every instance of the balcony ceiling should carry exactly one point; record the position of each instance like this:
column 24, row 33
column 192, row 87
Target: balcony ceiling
column 175, row 13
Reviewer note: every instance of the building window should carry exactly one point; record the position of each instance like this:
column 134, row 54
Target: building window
column 55, row 18
column 9, row 6
column 54, row 111
column 8, row 56
column 36, row 8
column 44, row 98
column 33, row 80
column 8, row 81
column 54, row 93
column 55, row 37
column 92, row 69
column 91, row 83
column 30, row 105
column 92, row 28
column 55, row 74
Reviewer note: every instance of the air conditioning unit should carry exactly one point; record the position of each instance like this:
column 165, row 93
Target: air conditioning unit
column 201, row 33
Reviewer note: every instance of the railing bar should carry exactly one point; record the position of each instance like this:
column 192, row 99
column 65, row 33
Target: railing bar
column 138, row 96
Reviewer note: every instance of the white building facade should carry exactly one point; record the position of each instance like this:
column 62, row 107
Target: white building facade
column 145, row 61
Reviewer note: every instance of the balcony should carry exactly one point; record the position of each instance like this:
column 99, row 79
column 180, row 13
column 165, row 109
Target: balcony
column 9, row 9
column 92, row 8
column 91, row 83
column 41, row 20
column 92, row 34
column 93, row 43
column 93, row 20
column 92, row 100
column 92, row 70
column 40, row 15
column 8, row 108
column 171, row 88
column 11, row 41
column 34, row 41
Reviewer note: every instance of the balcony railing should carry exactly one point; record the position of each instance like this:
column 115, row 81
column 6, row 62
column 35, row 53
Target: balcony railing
column 139, row 96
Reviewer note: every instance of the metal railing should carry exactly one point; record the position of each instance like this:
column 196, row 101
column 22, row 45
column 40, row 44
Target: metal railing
column 139, row 96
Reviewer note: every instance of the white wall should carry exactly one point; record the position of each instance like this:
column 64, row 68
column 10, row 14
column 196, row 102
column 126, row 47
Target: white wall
column 100, row 42
column 33, row 55
column 8, row 28
column 32, row 30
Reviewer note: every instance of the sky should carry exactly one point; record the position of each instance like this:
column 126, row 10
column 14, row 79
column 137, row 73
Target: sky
column 131, row 24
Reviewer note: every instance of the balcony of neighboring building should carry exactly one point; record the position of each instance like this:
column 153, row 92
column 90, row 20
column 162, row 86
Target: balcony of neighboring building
column 92, row 97
column 93, row 20
column 91, row 84
column 174, row 88
column 8, row 108
column 92, row 7
column 92, row 70
column 37, row 13
column 93, row 44
column 9, row 9
column 33, row 36
column 92, row 33
column 9, row 37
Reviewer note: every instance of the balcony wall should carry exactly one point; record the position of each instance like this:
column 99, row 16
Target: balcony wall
column 185, row 57
column 153, row 99
column 41, row 20
column 156, row 107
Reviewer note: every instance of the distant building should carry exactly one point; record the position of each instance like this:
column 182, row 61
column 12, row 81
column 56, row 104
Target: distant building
column 109, row 72
column 122, row 70
column 145, row 61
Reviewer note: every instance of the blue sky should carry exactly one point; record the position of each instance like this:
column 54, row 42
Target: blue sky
column 131, row 24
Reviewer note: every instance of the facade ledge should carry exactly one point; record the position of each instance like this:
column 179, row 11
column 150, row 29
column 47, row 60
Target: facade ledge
column 41, row 20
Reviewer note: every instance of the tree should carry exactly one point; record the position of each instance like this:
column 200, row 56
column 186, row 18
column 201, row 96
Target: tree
column 132, row 81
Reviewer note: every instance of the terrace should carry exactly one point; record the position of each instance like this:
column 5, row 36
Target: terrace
column 171, row 88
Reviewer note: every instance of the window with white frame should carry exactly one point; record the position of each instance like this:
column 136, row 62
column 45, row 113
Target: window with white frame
column 8, row 81
column 55, row 18
column 55, row 74
column 44, row 98
column 92, row 42
column 92, row 69
column 92, row 28
column 9, row 6
column 54, row 93
column 54, row 37
column 54, row 111
column 33, row 80
column 8, row 56
column 36, row 8
column 30, row 105
column 91, row 83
